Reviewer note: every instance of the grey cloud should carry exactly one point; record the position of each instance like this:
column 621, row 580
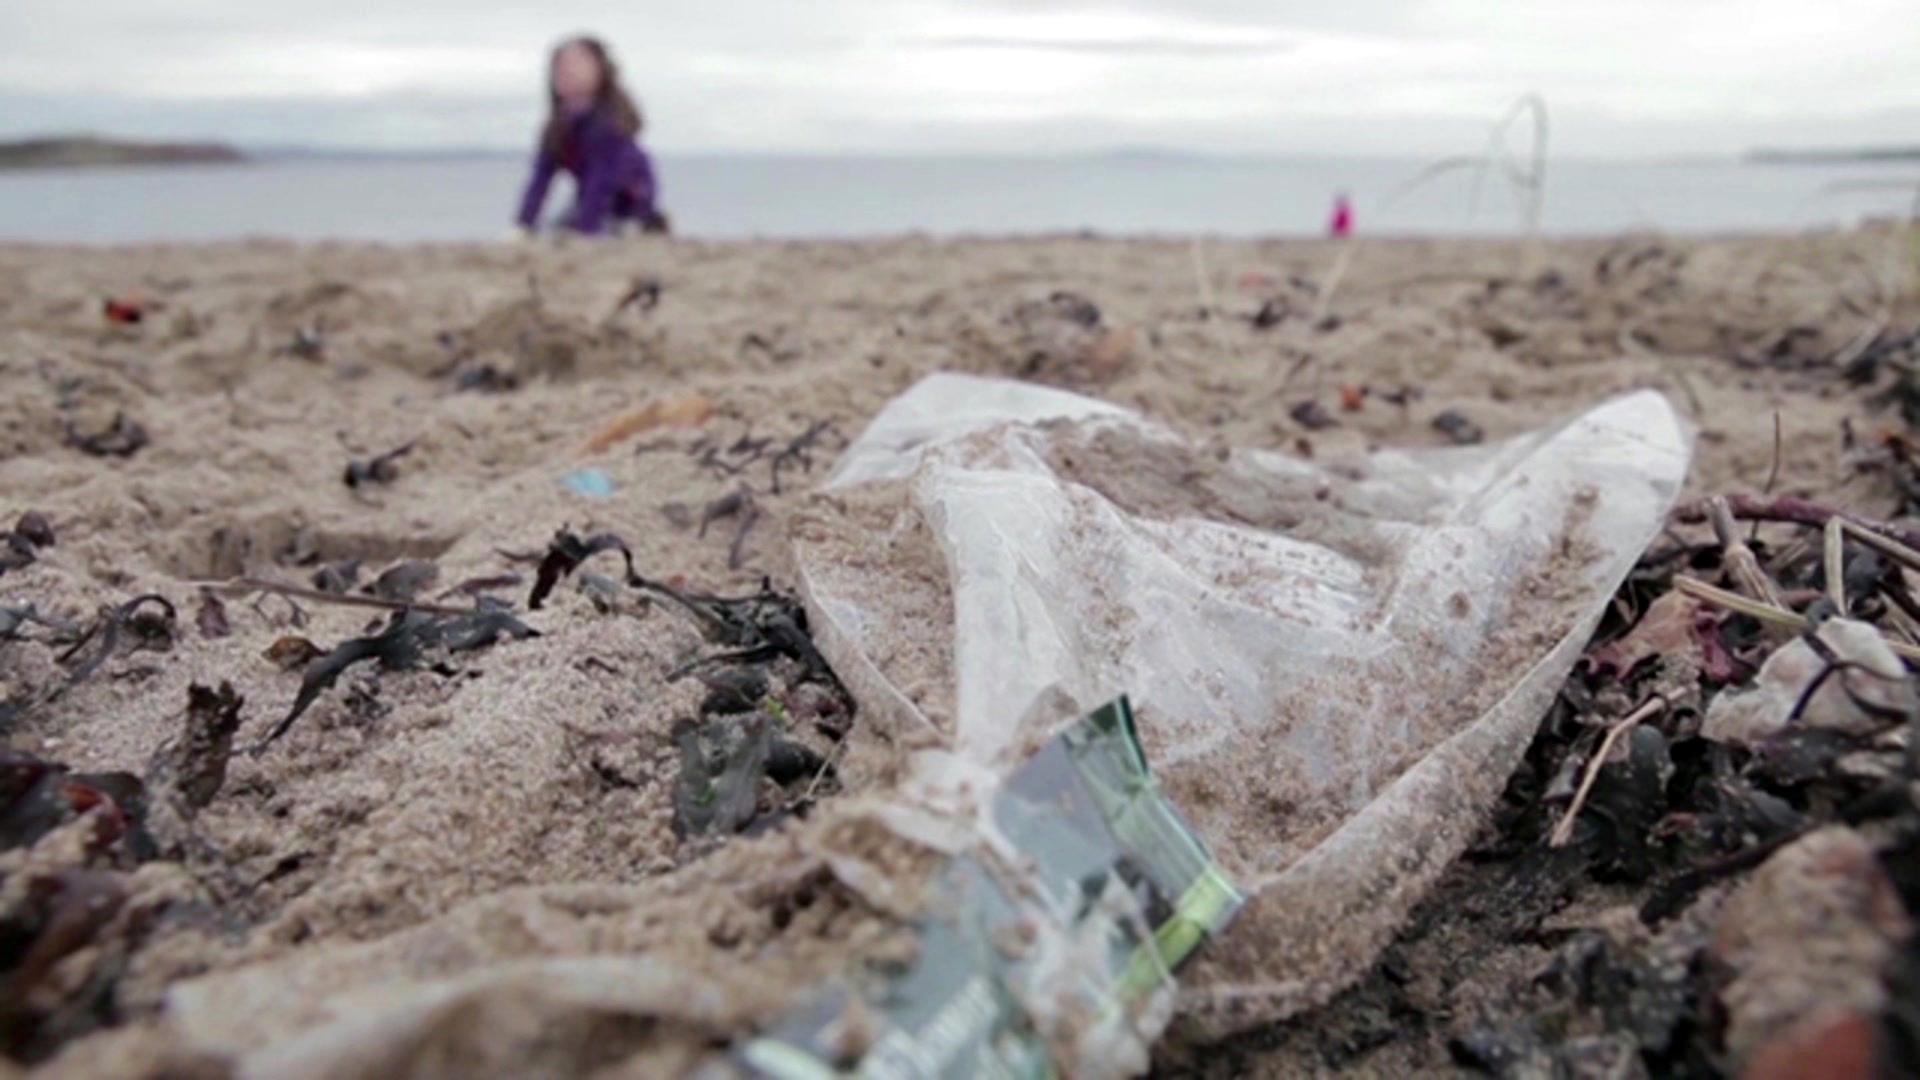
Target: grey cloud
column 1109, row 46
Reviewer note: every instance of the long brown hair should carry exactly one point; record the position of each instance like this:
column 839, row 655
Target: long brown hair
column 613, row 100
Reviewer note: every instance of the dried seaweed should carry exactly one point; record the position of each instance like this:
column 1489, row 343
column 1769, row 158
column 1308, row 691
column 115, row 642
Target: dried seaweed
column 380, row 469
column 123, row 438
column 486, row 379
column 149, row 629
column 194, row 765
column 1272, row 313
column 409, row 640
column 799, row 450
column 38, row 796
column 643, row 295
column 722, row 760
column 721, row 763
column 1312, row 415
column 339, row 577
column 733, row 690
column 731, row 504
column 1458, row 429
column 211, row 618
column 404, row 581
column 21, row 546
column 757, row 628
column 55, row 914
column 34, row 528
column 292, row 652
column 736, row 551
column 476, row 586
column 564, row 556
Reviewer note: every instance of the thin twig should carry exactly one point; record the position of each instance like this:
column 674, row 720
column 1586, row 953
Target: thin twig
column 1766, row 613
column 1835, row 554
column 1886, row 545
column 825, row 767
column 242, row 585
column 1564, row 831
column 1742, row 565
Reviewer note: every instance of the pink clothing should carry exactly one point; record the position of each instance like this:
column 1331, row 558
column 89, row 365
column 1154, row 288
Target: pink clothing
column 1341, row 225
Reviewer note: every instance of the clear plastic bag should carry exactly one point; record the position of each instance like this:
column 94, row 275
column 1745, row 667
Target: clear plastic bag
column 1335, row 666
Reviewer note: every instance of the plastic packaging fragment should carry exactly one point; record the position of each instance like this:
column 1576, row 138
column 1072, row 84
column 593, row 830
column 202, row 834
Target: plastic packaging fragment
column 1120, row 891
column 1335, row 664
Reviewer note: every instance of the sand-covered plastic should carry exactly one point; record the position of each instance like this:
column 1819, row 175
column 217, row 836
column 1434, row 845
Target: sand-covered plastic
column 1334, row 665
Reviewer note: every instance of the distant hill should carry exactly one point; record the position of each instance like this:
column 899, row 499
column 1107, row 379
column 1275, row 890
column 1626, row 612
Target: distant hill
column 1840, row 155
column 83, row 151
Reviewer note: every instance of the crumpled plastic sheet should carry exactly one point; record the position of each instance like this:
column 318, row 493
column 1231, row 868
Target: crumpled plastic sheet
column 1334, row 686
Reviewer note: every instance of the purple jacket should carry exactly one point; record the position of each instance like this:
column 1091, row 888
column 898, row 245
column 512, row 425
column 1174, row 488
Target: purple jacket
column 613, row 177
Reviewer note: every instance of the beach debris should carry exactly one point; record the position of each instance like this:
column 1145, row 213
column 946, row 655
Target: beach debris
column 733, row 690
column 404, row 581
column 717, row 790
column 291, row 652
column 737, row 550
column 308, row 343
column 122, row 438
column 1670, row 627
column 51, row 914
column 194, row 764
column 642, row 295
column 608, row 597
column 34, row 528
column 1064, row 338
column 565, row 554
column 1272, row 313
column 799, row 450
column 337, row 577
column 379, row 469
column 722, row 761
column 1842, row 677
column 20, row 546
column 1810, row 932
column 127, row 309
column 486, row 583
column 1458, row 429
column 211, row 617
column 680, row 410
column 486, row 379
column 38, row 796
column 1352, row 398
column 593, row 483
column 1312, row 415
column 755, row 628
column 732, row 504
column 149, row 629
column 411, row 639
column 1111, row 874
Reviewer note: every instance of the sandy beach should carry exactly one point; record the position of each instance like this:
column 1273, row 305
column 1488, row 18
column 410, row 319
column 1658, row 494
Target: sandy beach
column 518, row 808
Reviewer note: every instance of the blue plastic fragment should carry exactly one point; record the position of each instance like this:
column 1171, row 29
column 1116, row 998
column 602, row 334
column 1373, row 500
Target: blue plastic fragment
column 593, row 483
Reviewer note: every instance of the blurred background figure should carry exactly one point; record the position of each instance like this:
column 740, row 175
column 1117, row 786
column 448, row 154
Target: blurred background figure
column 592, row 132
column 1340, row 224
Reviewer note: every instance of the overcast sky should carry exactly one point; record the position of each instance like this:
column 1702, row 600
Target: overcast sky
column 1622, row 77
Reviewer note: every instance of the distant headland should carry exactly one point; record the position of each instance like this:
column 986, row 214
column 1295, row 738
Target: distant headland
column 1769, row 155
column 87, row 151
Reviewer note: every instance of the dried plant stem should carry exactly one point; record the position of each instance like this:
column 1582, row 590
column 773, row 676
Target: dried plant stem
column 1563, row 832
column 1766, row 613
column 1835, row 554
column 1742, row 564
column 241, row 586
